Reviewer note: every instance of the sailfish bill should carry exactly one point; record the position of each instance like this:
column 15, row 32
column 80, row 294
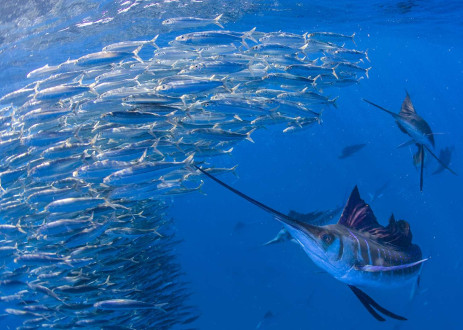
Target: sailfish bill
column 410, row 123
column 357, row 250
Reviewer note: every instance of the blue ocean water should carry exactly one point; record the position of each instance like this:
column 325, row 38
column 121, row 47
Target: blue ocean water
column 236, row 282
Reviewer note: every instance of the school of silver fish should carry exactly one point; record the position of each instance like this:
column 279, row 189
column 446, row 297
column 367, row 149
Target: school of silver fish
column 94, row 149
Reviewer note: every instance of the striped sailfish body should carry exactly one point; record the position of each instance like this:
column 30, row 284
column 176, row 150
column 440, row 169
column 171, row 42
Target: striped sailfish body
column 359, row 251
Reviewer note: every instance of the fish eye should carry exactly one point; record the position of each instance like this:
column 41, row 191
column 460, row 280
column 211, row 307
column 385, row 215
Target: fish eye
column 327, row 238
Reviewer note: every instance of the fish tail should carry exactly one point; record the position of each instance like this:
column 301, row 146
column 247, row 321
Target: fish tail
column 248, row 135
column 353, row 40
column 333, row 102
column 366, row 72
column 248, row 35
column 440, row 161
column 18, row 225
column 153, row 41
column 135, row 54
column 216, row 21
column 366, row 56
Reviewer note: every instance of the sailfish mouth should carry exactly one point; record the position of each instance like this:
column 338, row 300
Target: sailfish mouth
column 310, row 231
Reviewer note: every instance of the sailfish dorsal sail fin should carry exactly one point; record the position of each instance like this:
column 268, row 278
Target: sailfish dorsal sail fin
column 407, row 106
column 359, row 216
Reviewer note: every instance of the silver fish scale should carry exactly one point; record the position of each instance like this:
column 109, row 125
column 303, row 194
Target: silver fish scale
column 94, row 149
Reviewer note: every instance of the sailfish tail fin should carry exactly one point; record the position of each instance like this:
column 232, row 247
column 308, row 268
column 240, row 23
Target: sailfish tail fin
column 440, row 161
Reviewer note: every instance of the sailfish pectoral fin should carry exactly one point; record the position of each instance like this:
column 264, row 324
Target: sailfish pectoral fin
column 405, row 144
column 371, row 305
column 372, row 268
column 440, row 161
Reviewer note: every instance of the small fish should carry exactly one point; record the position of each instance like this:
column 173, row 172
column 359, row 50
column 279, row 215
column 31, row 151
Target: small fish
column 188, row 85
column 106, row 57
column 61, row 92
column 144, row 172
column 126, row 304
column 212, row 38
column 69, row 205
column 331, row 37
column 220, row 134
column 191, row 22
column 350, row 150
column 130, row 46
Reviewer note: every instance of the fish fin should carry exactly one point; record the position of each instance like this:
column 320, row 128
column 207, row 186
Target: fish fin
column 407, row 105
column 406, row 144
column 371, row 305
column 135, row 54
column 440, row 161
column 153, row 41
column 248, row 135
column 366, row 304
column 333, row 102
column 366, row 72
column 373, row 269
column 142, row 157
column 216, row 21
column 415, row 288
column 248, row 35
column 18, row 225
column 357, row 214
column 384, row 109
column 352, row 37
column 189, row 159
column 421, row 166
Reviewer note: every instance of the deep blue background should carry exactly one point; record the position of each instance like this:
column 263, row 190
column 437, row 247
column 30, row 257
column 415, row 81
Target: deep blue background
column 413, row 45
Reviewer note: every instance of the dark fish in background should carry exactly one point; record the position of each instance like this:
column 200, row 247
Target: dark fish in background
column 357, row 250
column 239, row 226
column 418, row 129
column 350, row 150
column 267, row 317
column 445, row 156
column 378, row 192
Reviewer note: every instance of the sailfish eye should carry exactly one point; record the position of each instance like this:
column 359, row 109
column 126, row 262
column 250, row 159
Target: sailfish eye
column 327, row 238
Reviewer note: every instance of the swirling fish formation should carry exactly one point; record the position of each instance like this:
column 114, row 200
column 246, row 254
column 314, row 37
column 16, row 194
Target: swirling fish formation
column 93, row 150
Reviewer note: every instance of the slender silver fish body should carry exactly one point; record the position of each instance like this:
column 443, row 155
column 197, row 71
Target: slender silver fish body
column 123, row 304
column 190, row 22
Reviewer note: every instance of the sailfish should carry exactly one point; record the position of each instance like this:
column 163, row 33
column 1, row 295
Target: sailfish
column 418, row 129
column 357, row 250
